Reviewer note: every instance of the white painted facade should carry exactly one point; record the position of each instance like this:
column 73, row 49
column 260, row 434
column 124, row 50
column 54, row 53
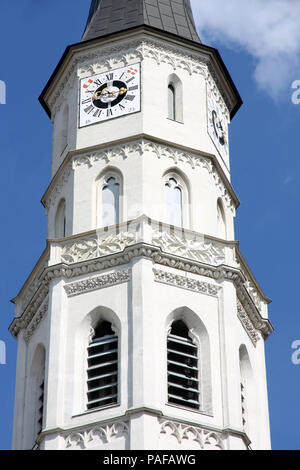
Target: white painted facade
column 142, row 274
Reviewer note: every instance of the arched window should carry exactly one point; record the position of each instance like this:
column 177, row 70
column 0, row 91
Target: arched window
column 40, row 401
column 173, row 202
column 248, row 406
column 109, row 190
column 175, row 98
column 35, row 397
column 171, row 103
column 222, row 231
column 110, row 202
column 183, row 367
column 60, row 220
column 102, row 372
column 65, row 128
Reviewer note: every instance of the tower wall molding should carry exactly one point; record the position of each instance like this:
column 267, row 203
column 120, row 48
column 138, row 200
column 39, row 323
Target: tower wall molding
column 90, row 261
column 137, row 50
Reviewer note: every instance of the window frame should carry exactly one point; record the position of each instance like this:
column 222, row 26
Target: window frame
column 185, row 198
column 101, row 182
column 194, row 342
column 90, row 342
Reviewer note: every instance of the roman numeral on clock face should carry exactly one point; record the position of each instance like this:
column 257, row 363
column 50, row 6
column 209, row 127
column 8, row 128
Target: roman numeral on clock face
column 97, row 113
column 89, row 109
column 132, row 88
column 109, row 95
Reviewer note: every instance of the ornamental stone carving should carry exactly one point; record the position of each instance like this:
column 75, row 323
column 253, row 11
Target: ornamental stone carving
column 136, row 51
column 205, row 439
column 153, row 253
column 249, row 284
column 94, row 247
column 59, row 185
column 99, row 282
column 247, row 323
column 186, row 283
column 38, row 317
column 199, row 250
column 142, row 146
column 89, row 438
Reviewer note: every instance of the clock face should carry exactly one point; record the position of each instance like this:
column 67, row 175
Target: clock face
column 217, row 127
column 110, row 95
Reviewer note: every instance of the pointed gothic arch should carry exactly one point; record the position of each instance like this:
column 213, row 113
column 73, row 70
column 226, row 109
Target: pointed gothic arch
column 100, row 331
column 60, row 219
column 109, row 198
column 35, row 396
column 222, row 225
column 197, row 339
column 177, row 199
column 248, row 400
column 175, row 98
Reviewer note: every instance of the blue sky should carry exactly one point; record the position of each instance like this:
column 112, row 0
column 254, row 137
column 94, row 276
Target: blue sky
column 265, row 164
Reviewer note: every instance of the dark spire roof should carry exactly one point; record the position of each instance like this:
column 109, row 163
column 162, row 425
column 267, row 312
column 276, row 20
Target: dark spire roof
column 111, row 16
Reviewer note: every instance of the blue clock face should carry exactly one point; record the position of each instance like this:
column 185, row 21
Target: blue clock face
column 110, row 95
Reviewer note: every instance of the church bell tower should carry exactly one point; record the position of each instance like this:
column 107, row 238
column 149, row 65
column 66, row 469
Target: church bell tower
column 141, row 325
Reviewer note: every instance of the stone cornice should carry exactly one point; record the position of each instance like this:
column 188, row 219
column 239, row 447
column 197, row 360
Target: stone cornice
column 106, row 430
column 66, row 271
column 141, row 143
column 183, row 282
column 99, row 282
column 116, row 44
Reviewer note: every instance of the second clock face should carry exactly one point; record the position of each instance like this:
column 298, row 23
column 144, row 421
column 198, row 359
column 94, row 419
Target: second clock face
column 217, row 127
column 110, row 95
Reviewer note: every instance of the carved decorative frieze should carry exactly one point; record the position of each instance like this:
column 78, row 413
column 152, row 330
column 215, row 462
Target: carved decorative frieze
column 140, row 249
column 186, row 283
column 100, row 282
column 95, row 247
column 36, row 320
column 204, row 438
column 96, row 435
column 247, row 323
column 113, row 55
column 249, row 285
column 62, row 180
column 199, row 250
column 143, row 146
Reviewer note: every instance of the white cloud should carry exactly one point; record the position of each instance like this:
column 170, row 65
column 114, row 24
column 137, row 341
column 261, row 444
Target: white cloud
column 269, row 30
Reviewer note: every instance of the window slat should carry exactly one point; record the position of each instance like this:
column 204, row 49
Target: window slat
column 102, row 384
column 183, row 371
